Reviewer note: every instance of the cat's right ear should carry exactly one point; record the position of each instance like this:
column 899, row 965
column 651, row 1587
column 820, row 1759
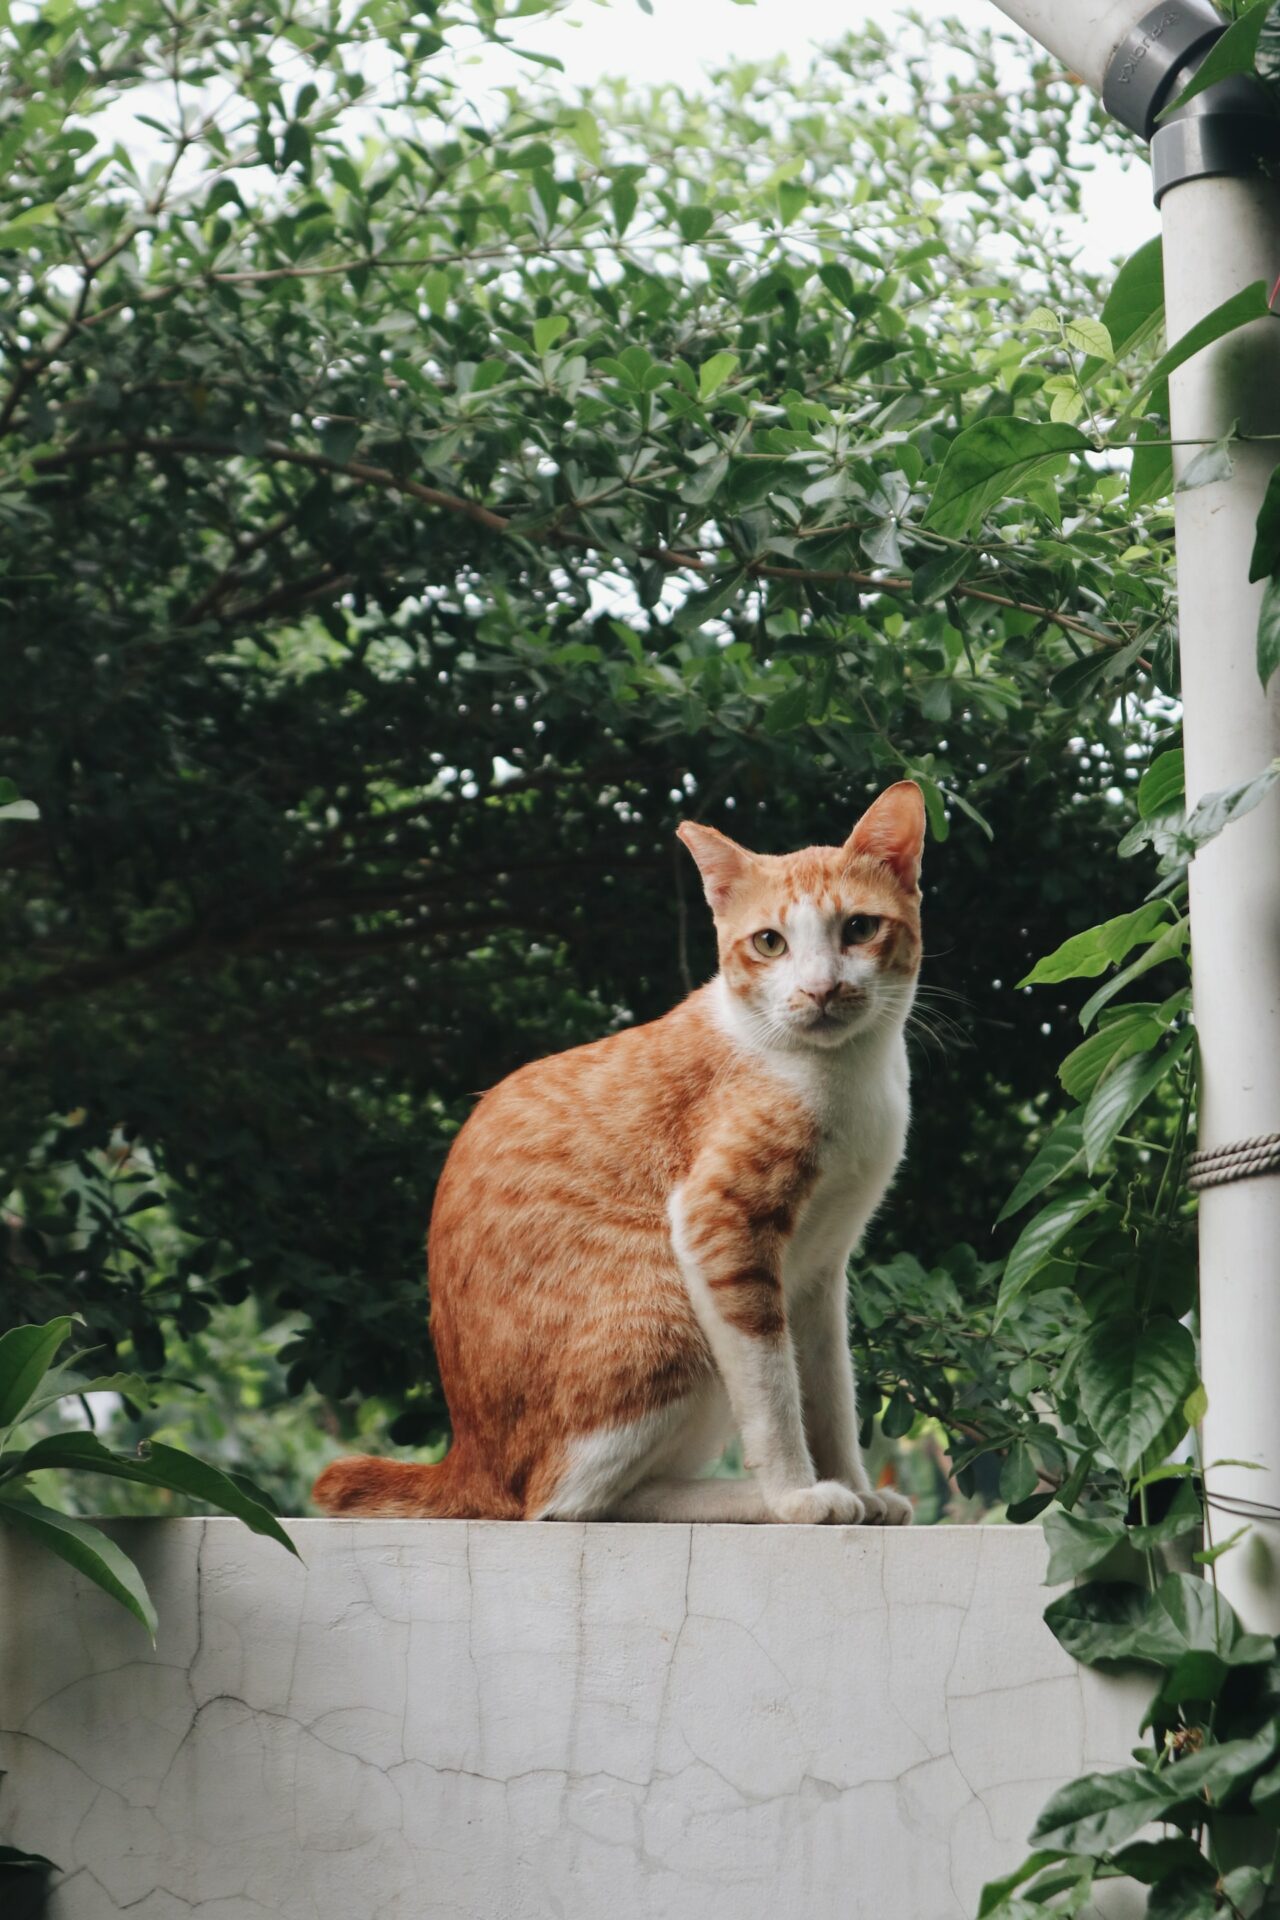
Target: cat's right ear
column 721, row 861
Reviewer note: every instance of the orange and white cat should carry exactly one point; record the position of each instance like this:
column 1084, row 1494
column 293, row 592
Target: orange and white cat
column 639, row 1247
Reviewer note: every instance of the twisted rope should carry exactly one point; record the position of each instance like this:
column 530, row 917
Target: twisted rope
column 1242, row 1160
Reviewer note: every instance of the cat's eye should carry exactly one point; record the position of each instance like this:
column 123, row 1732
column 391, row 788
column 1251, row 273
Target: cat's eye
column 770, row 943
column 861, row 927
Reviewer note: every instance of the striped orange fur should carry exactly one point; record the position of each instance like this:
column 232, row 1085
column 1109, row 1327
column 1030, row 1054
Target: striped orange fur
column 639, row 1246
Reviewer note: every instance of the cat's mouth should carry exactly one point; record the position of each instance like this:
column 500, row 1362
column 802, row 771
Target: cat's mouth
column 829, row 1023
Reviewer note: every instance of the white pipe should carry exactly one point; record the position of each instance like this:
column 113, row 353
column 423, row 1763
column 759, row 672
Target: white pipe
column 1220, row 234
column 1083, row 34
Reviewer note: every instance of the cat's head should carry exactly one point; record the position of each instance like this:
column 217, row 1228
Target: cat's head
column 820, row 945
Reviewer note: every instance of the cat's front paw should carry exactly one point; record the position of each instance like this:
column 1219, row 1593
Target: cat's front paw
column 886, row 1508
column 827, row 1504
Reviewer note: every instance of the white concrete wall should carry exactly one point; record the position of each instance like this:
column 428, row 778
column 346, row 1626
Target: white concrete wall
column 559, row 1722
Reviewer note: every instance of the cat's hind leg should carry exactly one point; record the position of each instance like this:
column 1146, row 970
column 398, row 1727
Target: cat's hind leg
column 739, row 1501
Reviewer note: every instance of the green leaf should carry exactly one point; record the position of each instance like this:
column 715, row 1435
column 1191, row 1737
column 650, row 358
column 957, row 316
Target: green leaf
column 1091, row 337
column 789, row 710
column 1211, row 464
column 1151, row 468
column 1132, row 1378
column 623, row 200
column 1018, row 1476
column 713, row 373
column 1038, row 1240
column 1235, row 52
column 942, row 572
column 1249, row 304
column 1078, row 1542
column 1130, row 1030
column 1095, row 1814
column 1217, row 810
column 162, row 1466
column 1090, row 953
column 1162, row 784
column 525, row 159
column 1099, row 1621
column 85, row 1548
column 548, row 330
column 694, row 223
column 339, row 440
column 585, row 130
column 1120, row 1094
column 997, row 1891
column 1135, row 304
column 1269, row 630
column 1266, row 1792
column 25, row 1356
column 1150, row 1860
column 1192, row 1632
column 62, row 1384
column 1216, row 1771
column 1265, row 559
column 1210, row 1556
column 1186, row 1895
column 898, row 1416
column 1060, row 1152
column 1168, row 947
column 1184, row 1516
column 1245, row 1889
column 988, row 461
column 1197, row 1405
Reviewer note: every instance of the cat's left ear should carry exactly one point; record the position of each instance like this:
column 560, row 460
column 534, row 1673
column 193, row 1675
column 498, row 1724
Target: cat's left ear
column 892, row 830
column 721, row 861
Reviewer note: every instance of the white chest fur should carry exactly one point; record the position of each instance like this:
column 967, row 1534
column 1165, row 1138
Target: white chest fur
column 861, row 1106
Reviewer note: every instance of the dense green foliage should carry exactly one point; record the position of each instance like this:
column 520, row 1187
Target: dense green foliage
column 410, row 507
column 407, row 515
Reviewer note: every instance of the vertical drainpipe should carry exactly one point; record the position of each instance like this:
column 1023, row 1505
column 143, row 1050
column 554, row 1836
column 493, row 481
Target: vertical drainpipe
column 1217, row 184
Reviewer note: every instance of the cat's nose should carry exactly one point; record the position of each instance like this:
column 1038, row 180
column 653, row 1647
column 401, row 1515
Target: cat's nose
column 821, row 996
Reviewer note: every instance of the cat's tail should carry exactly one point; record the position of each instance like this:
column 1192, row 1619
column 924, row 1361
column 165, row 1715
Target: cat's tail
column 400, row 1489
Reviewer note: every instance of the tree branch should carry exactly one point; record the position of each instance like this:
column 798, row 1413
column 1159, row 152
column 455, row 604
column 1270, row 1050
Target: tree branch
column 674, row 559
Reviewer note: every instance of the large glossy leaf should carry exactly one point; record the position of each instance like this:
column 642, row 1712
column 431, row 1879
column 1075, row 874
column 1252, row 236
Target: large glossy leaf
column 1187, row 1894
column 1079, row 1542
column 1163, row 783
column 1191, row 1631
column 25, row 1357
column 1087, row 954
column 990, row 460
column 1100, row 1622
column 1100, row 1811
column 1038, row 1239
column 1132, row 1378
column 1150, row 1860
column 1129, row 1030
column 1265, row 559
column 1121, row 1093
column 1063, row 1150
column 1169, row 946
column 1235, row 52
column 996, row 1893
column 1135, row 305
column 1269, row 631
column 85, row 1548
column 162, row 1466
column 1219, row 1770
column 1185, row 1515
column 1251, row 303
column 63, row 1383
